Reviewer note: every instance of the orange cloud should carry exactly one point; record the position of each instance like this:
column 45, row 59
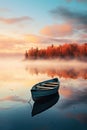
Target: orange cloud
column 33, row 38
column 13, row 98
column 66, row 92
column 84, row 36
column 57, row 30
column 4, row 40
column 19, row 43
column 15, row 20
column 11, row 44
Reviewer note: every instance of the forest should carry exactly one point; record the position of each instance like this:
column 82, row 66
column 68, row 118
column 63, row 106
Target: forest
column 65, row 51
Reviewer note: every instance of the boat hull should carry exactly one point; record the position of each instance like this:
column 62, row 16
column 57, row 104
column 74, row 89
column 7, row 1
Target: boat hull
column 38, row 93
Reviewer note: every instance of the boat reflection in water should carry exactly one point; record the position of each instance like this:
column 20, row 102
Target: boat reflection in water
column 44, row 103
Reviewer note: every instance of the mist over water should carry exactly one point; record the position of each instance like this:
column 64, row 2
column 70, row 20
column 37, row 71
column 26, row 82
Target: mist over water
column 17, row 76
column 60, row 68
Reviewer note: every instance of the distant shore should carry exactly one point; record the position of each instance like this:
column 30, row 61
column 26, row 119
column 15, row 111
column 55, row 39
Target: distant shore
column 65, row 51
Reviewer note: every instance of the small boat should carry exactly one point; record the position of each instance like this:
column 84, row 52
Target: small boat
column 45, row 88
column 40, row 106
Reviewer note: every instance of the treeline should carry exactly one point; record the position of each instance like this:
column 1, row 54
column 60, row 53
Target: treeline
column 62, row 51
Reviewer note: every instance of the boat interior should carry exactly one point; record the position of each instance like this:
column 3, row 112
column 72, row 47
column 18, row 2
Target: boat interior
column 44, row 87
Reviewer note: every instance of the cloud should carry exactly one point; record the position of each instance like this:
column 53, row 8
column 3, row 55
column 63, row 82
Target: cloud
column 77, row 97
column 82, row 117
column 4, row 10
column 84, row 36
column 31, row 38
column 15, row 20
column 66, row 92
column 21, row 42
column 6, row 41
column 68, row 0
column 13, row 98
column 11, row 44
column 70, row 14
column 38, row 39
column 58, row 30
column 74, row 17
column 82, row 1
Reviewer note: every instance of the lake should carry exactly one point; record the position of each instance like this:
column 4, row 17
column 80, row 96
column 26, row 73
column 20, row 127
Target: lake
column 65, row 111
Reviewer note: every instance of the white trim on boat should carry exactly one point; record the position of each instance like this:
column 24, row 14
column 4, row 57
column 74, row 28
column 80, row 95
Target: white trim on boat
column 42, row 87
column 51, row 85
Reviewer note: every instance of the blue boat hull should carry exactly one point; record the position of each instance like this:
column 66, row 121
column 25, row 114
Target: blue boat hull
column 41, row 93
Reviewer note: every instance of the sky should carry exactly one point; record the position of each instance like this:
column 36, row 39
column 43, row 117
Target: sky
column 40, row 23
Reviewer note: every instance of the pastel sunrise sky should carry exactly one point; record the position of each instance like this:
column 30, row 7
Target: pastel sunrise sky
column 39, row 23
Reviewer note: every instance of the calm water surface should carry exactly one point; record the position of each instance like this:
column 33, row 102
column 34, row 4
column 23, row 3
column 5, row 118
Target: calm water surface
column 65, row 111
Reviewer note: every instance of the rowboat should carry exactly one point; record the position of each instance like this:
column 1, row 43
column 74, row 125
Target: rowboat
column 45, row 88
column 40, row 106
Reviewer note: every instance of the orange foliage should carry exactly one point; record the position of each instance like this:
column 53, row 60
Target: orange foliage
column 62, row 51
column 73, row 73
